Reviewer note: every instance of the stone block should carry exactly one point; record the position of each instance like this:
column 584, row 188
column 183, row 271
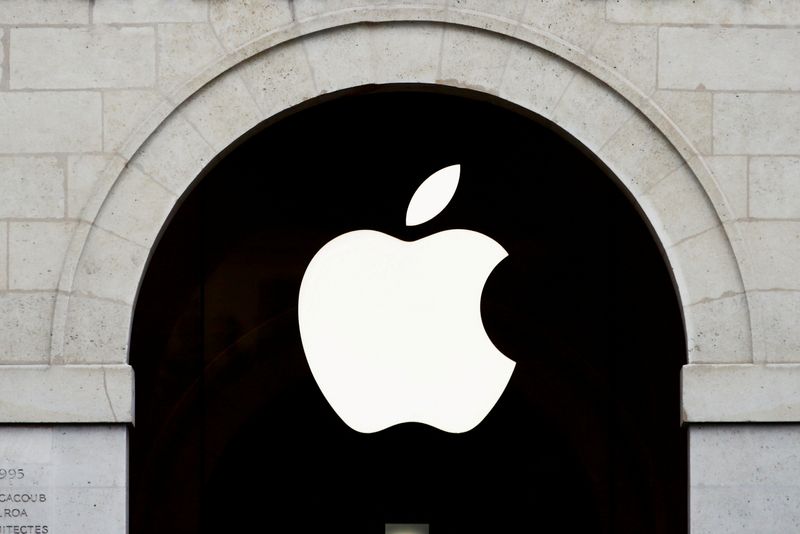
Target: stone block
column 757, row 123
column 279, row 78
column 238, row 22
column 3, row 255
column 143, row 11
column 730, row 174
column 775, row 317
column 640, row 155
column 79, row 476
column 632, row 52
column 405, row 53
column 82, row 58
column 535, row 79
column 775, row 187
column 31, row 187
column 307, row 9
column 49, row 12
column 25, row 323
column 341, row 59
column 766, row 12
column 97, row 331
column 508, row 9
column 110, row 267
column 175, row 154
column 718, row 331
column 136, row 207
column 124, row 111
column 751, row 59
column 65, row 394
column 36, row 253
column 222, row 111
column 705, row 267
column 359, row 55
column 744, row 479
column 679, row 207
column 590, row 112
column 773, row 253
column 718, row 393
column 50, row 122
column 473, row 58
column 184, row 50
column 691, row 113
column 578, row 22
column 84, row 175
column 96, row 454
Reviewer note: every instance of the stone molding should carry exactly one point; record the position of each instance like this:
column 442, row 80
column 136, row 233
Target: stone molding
column 740, row 393
column 66, row 394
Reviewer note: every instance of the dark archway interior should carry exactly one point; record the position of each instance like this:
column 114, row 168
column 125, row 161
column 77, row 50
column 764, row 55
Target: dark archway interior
column 232, row 432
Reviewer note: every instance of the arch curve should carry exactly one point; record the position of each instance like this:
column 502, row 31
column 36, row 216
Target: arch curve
column 625, row 130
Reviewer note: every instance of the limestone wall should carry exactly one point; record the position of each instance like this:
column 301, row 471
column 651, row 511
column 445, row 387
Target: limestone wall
column 110, row 109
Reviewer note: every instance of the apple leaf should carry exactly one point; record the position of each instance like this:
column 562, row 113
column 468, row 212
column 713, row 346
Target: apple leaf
column 433, row 195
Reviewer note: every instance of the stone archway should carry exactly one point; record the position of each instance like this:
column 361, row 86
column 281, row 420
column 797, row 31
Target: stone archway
column 224, row 393
column 625, row 131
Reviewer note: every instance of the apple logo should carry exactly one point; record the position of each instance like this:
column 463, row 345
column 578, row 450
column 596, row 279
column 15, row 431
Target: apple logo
column 392, row 329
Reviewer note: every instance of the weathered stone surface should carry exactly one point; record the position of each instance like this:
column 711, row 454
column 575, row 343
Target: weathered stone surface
column 309, row 9
column 757, row 123
column 222, row 111
column 730, row 173
column 123, row 112
column 704, row 12
column 142, row 11
column 185, row 50
column 775, row 188
column 47, row 58
column 535, row 79
column 510, row 9
column 740, row 392
column 680, row 207
column 691, row 111
column 36, row 253
column 175, row 154
column 774, row 253
column 25, row 323
column 279, row 78
column 135, row 207
column 50, row 122
column 359, row 55
column 774, row 315
column 768, row 56
column 705, row 267
column 84, row 173
column 632, row 52
column 575, row 21
column 639, row 155
column 240, row 21
column 49, row 12
column 469, row 54
column 97, row 331
column 31, row 187
column 744, row 479
column 110, row 267
column 589, row 112
column 3, row 255
column 66, row 394
column 718, row 331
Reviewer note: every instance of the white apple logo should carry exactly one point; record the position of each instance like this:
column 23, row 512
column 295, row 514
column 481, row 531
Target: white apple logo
column 392, row 329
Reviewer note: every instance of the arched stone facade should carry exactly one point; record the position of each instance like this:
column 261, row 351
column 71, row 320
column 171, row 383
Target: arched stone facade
column 578, row 65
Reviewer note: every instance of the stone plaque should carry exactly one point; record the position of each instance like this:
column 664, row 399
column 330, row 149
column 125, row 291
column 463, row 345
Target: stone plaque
column 63, row 479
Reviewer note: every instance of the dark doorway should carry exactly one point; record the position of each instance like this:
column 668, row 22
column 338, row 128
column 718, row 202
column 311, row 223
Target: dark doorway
column 232, row 432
